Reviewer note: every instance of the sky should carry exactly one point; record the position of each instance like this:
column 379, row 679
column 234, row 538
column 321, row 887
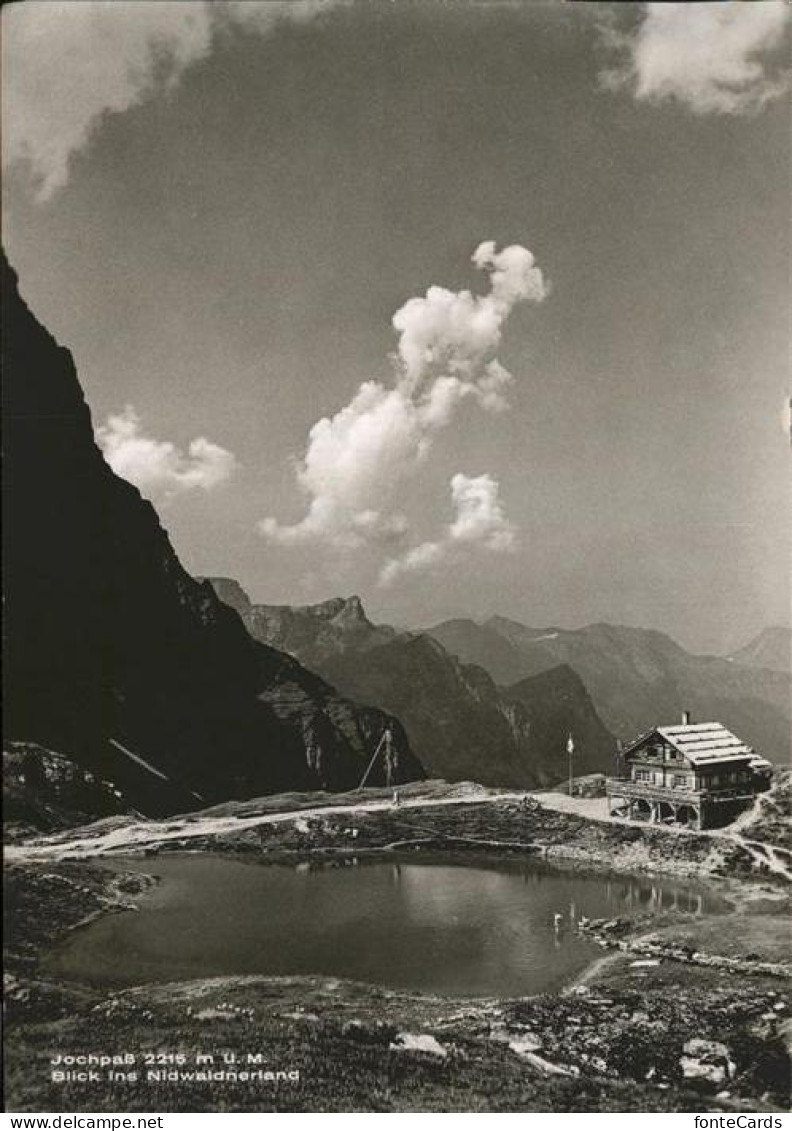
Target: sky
column 466, row 307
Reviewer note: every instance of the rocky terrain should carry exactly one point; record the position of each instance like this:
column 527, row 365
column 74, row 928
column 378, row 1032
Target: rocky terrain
column 314, row 634
column 638, row 678
column 458, row 722
column 769, row 820
column 682, row 1012
column 433, row 814
column 115, row 657
column 43, row 791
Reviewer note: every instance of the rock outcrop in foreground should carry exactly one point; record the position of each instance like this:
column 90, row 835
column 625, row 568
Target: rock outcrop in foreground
column 45, row 792
column 114, row 655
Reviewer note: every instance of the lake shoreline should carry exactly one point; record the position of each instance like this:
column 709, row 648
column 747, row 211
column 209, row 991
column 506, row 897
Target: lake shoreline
column 585, row 1047
column 386, row 919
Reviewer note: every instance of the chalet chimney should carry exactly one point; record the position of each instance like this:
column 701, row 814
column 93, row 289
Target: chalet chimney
column 686, row 718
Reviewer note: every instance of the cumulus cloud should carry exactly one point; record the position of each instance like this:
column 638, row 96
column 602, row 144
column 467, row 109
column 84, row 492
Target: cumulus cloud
column 479, row 514
column 716, row 58
column 158, row 467
column 479, row 521
column 456, row 332
column 66, row 64
column 357, row 461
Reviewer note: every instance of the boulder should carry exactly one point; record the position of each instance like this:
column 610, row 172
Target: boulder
column 707, row 1062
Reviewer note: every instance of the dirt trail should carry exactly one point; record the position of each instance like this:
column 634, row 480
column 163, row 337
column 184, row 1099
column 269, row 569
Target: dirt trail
column 778, row 860
column 149, row 833
column 99, row 840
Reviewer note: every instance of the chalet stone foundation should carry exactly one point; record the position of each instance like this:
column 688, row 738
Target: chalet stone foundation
column 704, row 814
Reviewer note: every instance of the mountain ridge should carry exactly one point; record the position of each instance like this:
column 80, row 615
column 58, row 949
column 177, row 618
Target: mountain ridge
column 636, row 677
column 459, row 723
column 771, row 648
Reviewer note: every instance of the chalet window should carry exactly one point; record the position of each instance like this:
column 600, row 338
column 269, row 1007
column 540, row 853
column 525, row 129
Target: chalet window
column 681, row 780
column 644, row 775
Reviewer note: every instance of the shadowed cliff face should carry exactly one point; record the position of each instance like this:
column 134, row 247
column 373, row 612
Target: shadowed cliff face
column 459, row 723
column 114, row 655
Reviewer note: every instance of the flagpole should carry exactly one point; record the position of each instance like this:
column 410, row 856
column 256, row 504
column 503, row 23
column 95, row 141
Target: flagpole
column 570, row 752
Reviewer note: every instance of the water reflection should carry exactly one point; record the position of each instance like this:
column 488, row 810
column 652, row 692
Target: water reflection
column 438, row 926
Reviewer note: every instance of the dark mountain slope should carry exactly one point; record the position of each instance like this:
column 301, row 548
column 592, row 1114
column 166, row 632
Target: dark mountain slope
column 556, row 704
column 114, row 655
column 462, row 726
column 454, row 717
column 638, row 678
column 479, row 644
column 458, row 722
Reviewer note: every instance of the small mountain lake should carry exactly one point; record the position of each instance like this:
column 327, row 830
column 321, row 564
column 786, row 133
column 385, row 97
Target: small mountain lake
column 459, row 928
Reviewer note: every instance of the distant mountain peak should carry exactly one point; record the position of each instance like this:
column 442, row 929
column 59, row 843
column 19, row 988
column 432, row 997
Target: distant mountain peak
column 343, row 612
column 771, row 648
column 341, row 609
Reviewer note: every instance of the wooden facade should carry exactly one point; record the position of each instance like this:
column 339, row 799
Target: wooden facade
column 696, row 774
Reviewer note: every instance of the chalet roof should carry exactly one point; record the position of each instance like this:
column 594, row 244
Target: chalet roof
column 704, row 743
column 759, row 763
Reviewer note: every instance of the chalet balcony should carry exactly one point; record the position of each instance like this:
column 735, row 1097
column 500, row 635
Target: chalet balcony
column 627, row 788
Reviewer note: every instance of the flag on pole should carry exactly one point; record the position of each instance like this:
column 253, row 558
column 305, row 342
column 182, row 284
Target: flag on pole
column 570, row 745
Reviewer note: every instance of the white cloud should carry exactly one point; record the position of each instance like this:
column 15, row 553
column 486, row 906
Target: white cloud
column 262, row 15
column 158, row 467
column 357, row 461
column 67, row 63
column 421, row 557
column 457, row 332
column 479, row 514
column 786, row 418
column 480, row 522
column 712, row 57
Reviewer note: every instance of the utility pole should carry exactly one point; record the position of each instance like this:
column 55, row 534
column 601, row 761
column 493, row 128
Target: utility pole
column 390, row 762
column 570, row 752
column 371, row 763
column 391, row 758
